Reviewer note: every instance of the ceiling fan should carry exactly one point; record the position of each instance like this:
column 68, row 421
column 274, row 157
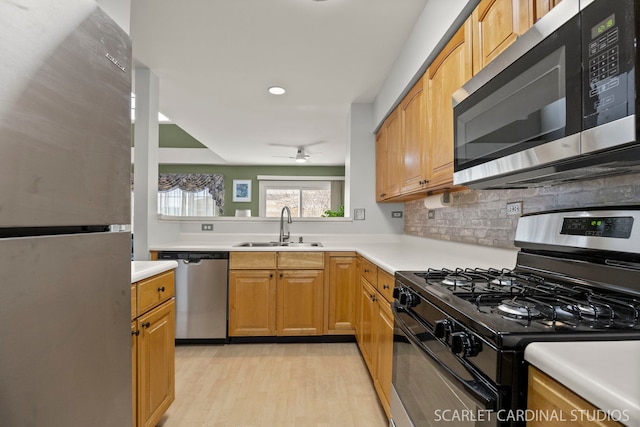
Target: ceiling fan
column 301, row 154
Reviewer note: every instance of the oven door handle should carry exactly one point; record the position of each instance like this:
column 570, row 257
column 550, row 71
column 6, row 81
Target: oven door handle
column 478, row 389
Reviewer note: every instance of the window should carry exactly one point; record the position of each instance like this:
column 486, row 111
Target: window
column 190, row 194
column 307, row 199
column 178, row 202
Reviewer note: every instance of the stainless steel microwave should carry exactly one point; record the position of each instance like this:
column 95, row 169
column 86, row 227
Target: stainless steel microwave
column 557, row 105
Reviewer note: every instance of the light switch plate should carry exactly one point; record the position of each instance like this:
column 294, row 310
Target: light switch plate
column 206, row 227
column 396, row 214
column 358, row 214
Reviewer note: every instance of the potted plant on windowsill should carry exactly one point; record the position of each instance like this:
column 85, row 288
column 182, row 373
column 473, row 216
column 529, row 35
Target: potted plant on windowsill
column 330, row 213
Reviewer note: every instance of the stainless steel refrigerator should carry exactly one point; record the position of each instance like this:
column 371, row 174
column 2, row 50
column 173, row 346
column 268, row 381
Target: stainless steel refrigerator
column 65, row 89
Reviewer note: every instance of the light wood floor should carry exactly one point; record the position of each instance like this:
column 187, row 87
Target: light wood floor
column 266, row 385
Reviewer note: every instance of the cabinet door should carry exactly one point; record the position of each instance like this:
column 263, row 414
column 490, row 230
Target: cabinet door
column 391, row 162
column 497, row 24
column 546, row 395
column 156, row 371
column 134, row 372
column 367, row 318
column 342, row 295
column 539, row 8
column 252, row 303
column 384, row 349
column 448, row 72
column 381, row 165
column 300, row 302
column 414, row 144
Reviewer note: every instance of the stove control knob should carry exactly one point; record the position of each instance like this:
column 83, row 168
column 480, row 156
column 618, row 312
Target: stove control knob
column 407, row 298
column 396, row 293
column 443, row 329
column 465, row 345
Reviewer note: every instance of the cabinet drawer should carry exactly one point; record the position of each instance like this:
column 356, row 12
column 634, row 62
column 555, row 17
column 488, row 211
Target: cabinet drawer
column 134, row 301
column 297, row 260
column 370, row 271
column 385, row 284
column 154, row 290
column 252, row 260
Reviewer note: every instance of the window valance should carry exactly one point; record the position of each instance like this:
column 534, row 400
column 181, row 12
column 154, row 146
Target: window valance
column 195, row 182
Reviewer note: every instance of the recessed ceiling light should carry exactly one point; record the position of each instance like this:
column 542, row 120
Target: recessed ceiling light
column 276, row 90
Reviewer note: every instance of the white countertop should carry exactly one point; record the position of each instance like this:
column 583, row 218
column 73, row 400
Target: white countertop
column 605, row 373
column 140, row 270
column 390, row 252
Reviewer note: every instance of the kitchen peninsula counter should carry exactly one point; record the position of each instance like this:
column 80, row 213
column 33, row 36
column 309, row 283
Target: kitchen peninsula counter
column 141, row 270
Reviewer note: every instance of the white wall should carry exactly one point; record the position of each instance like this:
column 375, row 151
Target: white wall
column 437, row 23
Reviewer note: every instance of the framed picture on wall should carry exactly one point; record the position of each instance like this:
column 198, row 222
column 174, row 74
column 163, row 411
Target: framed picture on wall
column 241, row 190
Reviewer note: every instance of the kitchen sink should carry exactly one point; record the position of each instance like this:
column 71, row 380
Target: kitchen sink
column 272, row 244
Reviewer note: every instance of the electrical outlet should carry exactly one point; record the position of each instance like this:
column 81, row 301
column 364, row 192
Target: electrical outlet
column 431, row 214
column 514, row 208
column 206, row 227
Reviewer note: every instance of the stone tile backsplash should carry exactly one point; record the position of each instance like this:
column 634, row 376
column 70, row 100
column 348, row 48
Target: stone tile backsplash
column 480, row 216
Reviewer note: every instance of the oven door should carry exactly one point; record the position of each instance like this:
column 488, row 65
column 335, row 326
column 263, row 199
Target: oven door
column 524, row 109
column 434, row 386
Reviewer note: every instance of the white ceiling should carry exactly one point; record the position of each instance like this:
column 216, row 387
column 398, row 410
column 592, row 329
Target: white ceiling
column 215, row 60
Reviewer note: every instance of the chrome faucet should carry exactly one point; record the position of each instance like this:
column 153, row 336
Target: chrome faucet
column 284, row 237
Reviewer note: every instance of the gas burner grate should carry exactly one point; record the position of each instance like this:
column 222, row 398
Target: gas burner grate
column 525, row 296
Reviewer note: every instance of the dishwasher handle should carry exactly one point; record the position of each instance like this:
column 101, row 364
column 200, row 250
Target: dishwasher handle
column 192, row 257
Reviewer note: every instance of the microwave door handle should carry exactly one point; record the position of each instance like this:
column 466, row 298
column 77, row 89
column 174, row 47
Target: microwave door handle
column 476, row 389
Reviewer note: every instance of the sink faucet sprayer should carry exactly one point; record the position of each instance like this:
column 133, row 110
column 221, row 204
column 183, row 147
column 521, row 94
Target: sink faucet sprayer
column 284, row 237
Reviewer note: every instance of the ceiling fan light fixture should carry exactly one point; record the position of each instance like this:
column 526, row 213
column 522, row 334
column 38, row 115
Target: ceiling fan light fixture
column 301, row 160
column 276, row 90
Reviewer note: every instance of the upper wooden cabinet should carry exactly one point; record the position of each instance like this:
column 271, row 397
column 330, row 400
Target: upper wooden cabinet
column 414, row 168
column 450, row 70
column 415, row 145
column 388, row 161
column 539, row 8
column 497, row 24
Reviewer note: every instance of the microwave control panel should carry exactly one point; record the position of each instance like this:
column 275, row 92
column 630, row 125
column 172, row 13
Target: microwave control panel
column 608, row 61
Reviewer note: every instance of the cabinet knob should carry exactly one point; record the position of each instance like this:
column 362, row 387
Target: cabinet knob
column 281, row 275
column 146, row 324
column 385, row 286
column 366, row 270
column 161, row 289
column 136, row 333
column 271, row 276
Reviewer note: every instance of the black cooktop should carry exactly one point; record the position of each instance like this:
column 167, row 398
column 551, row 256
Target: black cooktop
column 512, row 308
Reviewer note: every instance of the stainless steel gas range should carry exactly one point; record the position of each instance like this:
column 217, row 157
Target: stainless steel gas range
column 460, row 334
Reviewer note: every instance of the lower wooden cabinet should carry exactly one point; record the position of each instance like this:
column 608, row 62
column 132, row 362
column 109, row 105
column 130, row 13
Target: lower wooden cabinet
column 366, row 332
column 375, row 327
column 546, row 395
column 252, row 303
column 276, row 294
column 384, row 354
column 340, row 292
column 152, row 348
column 156, row 356
column 300, row 302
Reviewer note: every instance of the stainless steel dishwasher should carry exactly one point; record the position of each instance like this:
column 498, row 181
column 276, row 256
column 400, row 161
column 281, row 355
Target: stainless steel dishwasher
column 201, row 295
